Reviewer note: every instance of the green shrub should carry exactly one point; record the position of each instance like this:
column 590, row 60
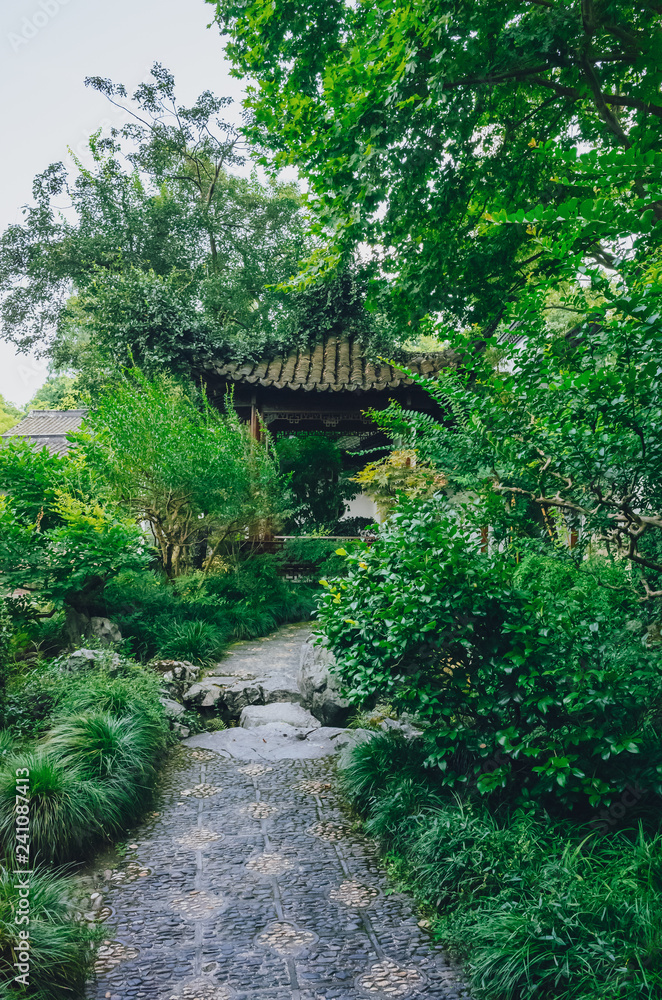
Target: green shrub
column 195, row 616
column 60, row 948
column 129, row 690
column 30, row 701
column 375, row 761
column 525, row 697
column 318, row 553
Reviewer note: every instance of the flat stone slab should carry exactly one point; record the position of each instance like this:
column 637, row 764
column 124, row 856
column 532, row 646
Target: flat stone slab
column 278, row 712
column 272, row 742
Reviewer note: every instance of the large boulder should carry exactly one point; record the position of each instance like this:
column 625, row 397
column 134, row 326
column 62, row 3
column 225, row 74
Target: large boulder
column 177, row 675
column 277, row 712
column 320, row 689
column 82, row 658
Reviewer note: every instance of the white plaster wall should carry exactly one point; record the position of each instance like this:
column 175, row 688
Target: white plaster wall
column 362, row 506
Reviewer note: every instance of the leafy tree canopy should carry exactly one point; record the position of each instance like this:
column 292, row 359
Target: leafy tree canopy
column 166, row 253
column 59, row 392
column 415, row 123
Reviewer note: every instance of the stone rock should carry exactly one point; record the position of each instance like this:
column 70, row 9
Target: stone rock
column 106, row 631
column 177, row 675
column 204, row 693
column 183, row 732
column 235, row 694
column 278, row 713
column 88, row 657
column 240, row 694
column 320, row 690
column 173, row 709
column 82, row 657
column 401, row 726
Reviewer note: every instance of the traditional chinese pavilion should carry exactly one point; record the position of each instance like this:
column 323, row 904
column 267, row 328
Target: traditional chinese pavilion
column 324, row 387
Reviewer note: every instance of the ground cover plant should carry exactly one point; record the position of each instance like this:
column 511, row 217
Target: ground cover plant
column 525, row 815
column 197, row 617
column 533, row 905
column 90, row 738
column 61, row 949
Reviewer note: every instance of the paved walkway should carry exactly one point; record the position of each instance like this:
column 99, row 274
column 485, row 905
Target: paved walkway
column 247, row 884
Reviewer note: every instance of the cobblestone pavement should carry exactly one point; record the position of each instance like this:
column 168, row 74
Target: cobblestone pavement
column 248, row 885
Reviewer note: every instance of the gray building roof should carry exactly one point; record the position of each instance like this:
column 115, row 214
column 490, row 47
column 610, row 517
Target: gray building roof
column 48, row 428
column 335, row 364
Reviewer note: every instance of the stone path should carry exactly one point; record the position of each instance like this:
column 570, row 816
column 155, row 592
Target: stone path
column 247, row 884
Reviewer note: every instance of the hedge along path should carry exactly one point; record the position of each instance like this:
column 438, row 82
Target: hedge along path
column 247, row 884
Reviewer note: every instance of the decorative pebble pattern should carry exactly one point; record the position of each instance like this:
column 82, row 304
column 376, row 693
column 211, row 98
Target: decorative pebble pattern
column 282, row 906
column 387, row 978
column 203, row 790
column 261, row 810
column 269, row 864
column 313, row 787
column 197, row 905
column 198, row 838
column 129, row 873
column 199, row 753
column 198, row 989
column 333, row 833
column 112, row 953
column 284, row 938
column 354, row 894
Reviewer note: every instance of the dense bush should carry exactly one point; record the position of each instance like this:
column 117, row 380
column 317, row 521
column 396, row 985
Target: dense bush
column 533, row 906
column 313, row 465
column 527, row 694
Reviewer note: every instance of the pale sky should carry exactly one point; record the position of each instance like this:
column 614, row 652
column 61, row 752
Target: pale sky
column 47, row 49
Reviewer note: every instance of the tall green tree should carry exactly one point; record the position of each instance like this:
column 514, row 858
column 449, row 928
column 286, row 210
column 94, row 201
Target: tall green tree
column 169, row 253
column 194, row 474
column 414, row 122
column 59, row 541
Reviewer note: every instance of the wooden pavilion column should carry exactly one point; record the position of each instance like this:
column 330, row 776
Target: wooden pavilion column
column 255, row 419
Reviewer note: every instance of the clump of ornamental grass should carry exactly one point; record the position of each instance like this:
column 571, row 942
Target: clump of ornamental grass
column 101, row 746
column 7, row 742
column 248, row 622
column 533, row 906
column 369, row 766
column 588, row 926
column 134, row 695
column 196, row 641
column 67, row 812
column 61, row 951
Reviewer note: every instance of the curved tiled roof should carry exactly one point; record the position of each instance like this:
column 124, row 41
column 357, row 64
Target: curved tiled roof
column 48, row 428
column 332, row 365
